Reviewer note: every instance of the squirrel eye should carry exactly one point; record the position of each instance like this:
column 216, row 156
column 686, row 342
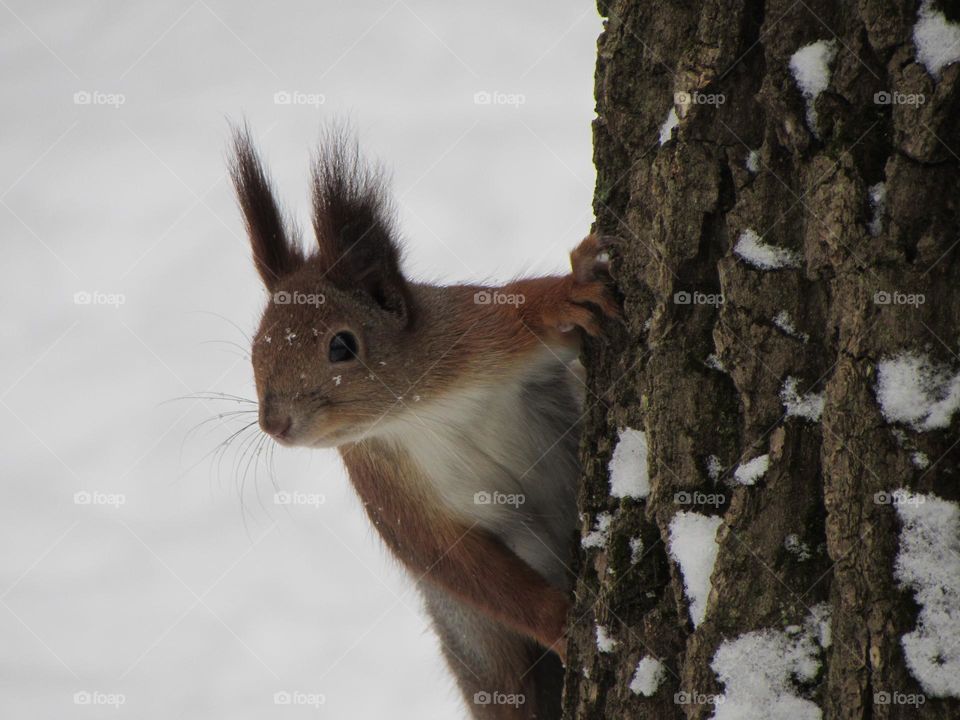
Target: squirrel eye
column 343, row 347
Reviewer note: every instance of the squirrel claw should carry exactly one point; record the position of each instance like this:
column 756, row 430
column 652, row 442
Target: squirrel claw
column 590, row 260
column 592, row 283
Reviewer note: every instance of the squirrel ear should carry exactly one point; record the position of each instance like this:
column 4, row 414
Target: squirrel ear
column 352, row 218
column 274, row 253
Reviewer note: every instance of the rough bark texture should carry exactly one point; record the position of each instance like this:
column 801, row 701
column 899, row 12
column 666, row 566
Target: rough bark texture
column 680, row 208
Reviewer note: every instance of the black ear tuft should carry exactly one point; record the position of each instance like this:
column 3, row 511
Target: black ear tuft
column 275, row 254
column 352, row 218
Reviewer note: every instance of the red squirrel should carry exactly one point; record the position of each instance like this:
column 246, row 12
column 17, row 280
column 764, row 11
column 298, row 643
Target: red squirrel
column 455, row 410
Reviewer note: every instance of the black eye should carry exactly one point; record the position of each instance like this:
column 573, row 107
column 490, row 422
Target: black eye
column 343, row 347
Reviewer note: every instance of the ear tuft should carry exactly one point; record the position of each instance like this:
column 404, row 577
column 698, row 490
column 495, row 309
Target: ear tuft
column 353, row 221
column 275, row 254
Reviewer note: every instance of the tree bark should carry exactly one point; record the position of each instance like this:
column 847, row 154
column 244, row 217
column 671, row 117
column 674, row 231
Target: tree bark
column 705, row 380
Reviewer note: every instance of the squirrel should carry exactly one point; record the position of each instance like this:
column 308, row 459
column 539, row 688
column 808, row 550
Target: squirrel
column 455, row 410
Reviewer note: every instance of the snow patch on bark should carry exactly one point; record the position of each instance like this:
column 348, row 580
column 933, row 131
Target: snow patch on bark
column 597, row 538
column 809, row 406
column 605, row 643
column 751, row 248
column 783, row 321
column 761, row 671
column 810, row 66
column 937, row 40
column 647, row 677
column 714, row 363
column 878, row 203
column 920, row 460
column 714, row 468
column 666, row 130
column 913, row 390
column 693, row 545
column 749, row 472
column 929, row 564
column 629, row 474
column 798, row 547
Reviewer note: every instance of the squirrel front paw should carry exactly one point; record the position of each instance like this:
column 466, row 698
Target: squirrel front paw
column 558, row 305
column 589, row 295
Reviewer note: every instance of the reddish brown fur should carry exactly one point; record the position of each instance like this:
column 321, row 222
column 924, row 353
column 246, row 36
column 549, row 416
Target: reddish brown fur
column 426, row 341
column 466, row 560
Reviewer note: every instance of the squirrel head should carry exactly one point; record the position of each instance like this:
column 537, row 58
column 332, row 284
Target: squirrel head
column 335, row 341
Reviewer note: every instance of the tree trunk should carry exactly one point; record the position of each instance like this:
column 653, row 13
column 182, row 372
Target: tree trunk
column 770, row 199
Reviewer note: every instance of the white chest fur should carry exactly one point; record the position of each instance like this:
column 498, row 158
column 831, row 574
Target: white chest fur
column 502, row 455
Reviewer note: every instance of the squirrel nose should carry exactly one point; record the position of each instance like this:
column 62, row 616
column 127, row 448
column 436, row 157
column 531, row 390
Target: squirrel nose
column 277, row 425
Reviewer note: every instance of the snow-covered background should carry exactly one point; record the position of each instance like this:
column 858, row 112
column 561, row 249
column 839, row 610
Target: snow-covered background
column 174, row 593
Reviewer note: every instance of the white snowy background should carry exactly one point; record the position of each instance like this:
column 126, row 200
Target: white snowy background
column 195, row 598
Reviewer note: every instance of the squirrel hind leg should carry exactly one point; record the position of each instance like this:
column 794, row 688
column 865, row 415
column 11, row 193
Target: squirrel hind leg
column 501, row 674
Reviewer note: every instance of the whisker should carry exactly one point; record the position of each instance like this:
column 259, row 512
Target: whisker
column 225, row 318
column 229, row 415
column 210, row 395
column 249, row 451
column 245, row 351
column 220, row 450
